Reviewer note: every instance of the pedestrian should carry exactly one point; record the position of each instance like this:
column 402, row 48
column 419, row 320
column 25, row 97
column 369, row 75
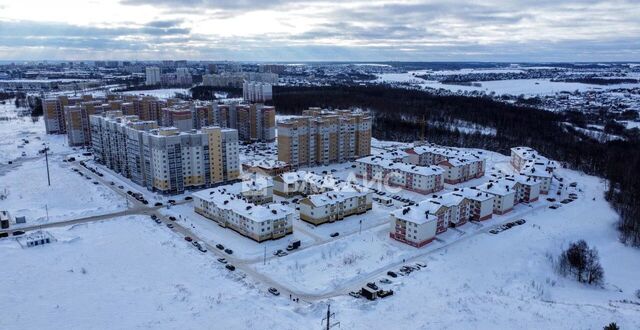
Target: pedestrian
column 289, row 296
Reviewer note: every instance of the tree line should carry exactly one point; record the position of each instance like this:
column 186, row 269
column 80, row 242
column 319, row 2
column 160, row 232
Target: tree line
column 398, row 112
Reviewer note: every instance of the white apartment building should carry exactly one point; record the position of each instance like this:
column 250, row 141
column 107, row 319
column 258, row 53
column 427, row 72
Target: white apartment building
column 530, row 163
column 153, row 76
column 290, row 184
column 258, row 222
column 183, row 76
column 334, row 205
column 421, row 179
column 480, row 203
column 460, row 165
column 504, row 193
column 414, row 225
column 257, row 92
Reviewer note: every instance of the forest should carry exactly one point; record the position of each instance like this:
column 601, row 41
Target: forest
column 398, row 114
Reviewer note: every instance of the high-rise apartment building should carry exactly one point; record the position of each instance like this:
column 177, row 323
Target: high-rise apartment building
column 321, row 137
column 253, row 91
column 153, row 76
column 256, row 122
column 183, row 76
column 164, row 159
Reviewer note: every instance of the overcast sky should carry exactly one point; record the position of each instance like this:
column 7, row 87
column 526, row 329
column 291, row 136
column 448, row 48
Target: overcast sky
column 307, row 30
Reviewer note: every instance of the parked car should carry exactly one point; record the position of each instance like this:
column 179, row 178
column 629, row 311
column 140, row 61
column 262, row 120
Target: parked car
column 521, row 221
column 230, row 267
column 153, row 216
column 172, row 218
column 385, row 293
column 277, row 252
column 170, row 225
column 336, row 234
column 392, row 274
column 171, row 201
column 385, row 281
column 222, row 260
column 372, row 286
column 354, row 294
column 121, row 187
column 228, row 251
column 274, row 291
column 494, row 231
column 220, row 246
column 421, row 265
column 18, row 233
column 188, row 239
column 157, row 221
column 188, row 198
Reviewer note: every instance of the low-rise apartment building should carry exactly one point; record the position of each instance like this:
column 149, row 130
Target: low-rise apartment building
column 421, row 179
column 290, row 184
column 258, row 222
column 270, row 167
column 460, row 165
column 504, row 193
column 414, row 225
column 336, row 204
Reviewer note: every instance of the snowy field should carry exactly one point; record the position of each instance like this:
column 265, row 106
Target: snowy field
column 513, row 87
column 70, row 195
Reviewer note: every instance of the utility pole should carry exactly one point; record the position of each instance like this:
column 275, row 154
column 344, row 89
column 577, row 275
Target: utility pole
column 264, row 262
column 46, row 207
column 46, row 158
column 360, row 230
column 327, row 319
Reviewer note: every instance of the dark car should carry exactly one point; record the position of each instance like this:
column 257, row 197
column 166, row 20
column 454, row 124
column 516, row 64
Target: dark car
column 153, row 216
column 230, row 267
column 336, row 234
column 220, row 246
column 171, row 201
column 228, row 251
column 521, row 221
column 188, row 198
column 170, row 225
column 158, row 204
column 188, row 239
column 172, row 218
column 372, row 285
column 392, row 274
column 18, row 233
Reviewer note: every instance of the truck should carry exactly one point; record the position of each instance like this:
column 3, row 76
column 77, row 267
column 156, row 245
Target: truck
column 369, row 293
column 293, row 245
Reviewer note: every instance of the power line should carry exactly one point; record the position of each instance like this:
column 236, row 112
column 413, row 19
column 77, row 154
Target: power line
column 327, row 319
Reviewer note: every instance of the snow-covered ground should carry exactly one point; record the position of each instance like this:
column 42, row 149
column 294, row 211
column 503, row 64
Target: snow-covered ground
column 150, row 278
column 512, row 87
column 69, row 196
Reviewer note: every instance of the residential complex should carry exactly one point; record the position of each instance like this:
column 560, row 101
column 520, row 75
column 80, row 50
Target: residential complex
column 229, row 208
column 344, row 200
column 164, row 159
column 70, row 115
column 321, row 137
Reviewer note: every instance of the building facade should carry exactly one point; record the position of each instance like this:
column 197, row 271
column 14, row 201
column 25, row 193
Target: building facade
column 164, row 159
column 322, row 137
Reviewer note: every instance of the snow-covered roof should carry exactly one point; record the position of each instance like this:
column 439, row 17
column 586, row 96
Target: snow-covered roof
column 446, row 152
column 500, row 187
column 232, row 202
column 265, row 163
column 473, row 194
column 402, row 167
column 341, row 193
column 418, row 214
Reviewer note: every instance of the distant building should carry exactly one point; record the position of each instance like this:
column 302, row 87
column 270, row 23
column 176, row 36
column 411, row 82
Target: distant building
column 183, row 77
column 256, row 122
column 153, row 76
column 334, row 205
column 257, row 92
